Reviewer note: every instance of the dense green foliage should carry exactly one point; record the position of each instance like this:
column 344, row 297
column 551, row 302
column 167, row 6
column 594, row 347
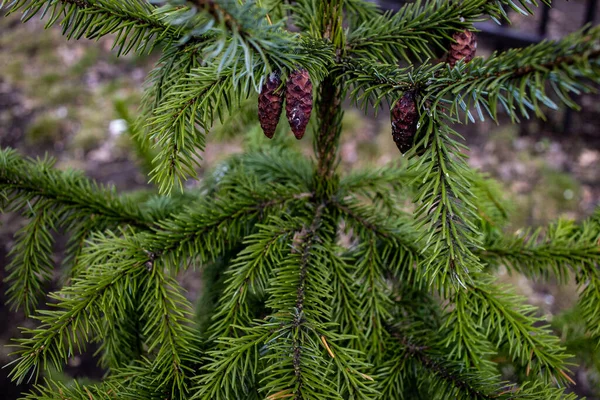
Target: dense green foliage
column 317, row 284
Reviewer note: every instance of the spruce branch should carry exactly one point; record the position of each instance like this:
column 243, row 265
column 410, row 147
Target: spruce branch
column 370, row 84
column 359, row 11
column 231, row 370
column 168, row 334
column 345, row 309
column 82, row 308
column 393, row 177
column 450, row 378
column 312, row 267
column 421, row 29
column 497, row 8
column 440, row 376
column 54, row 200
column 446, row 213
column 133, row 22
column 250, row 272
column 508, row 321
column 558, row 250
column 173, row 67
column 247, row 34
column 31, row 265
column 205, row 230
column 562, row 250
column 388, row 186
column 27, row 180
column 186, row 112
column 516, row 79
column 59, row 391
column 277, row 165
column 417, row 30
column 375, row 295
column 589, row 302
column 85, row 312
column 492, row 206
column 303, row 345
column 397, row 239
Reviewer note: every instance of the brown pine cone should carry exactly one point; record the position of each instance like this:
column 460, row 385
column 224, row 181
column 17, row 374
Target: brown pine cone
column 298, row 101
column 270, row 104
column 464, row 48
column 404, row 121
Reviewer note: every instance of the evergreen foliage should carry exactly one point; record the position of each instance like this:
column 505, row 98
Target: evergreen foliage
column 318, row 284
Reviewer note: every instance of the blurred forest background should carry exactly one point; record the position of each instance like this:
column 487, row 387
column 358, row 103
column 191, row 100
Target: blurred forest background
column 75, row 101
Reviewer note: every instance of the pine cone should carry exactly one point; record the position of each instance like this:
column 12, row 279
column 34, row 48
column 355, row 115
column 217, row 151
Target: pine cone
column 404, row 121
column 464, row 48
column 298, row 101
column 270, row 104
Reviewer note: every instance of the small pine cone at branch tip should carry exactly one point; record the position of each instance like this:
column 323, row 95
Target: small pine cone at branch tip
column 298, row 101
column 404, row 121
column 464, row 47
column 270, row 104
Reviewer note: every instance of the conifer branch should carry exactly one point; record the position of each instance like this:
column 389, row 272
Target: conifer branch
column 391, row 178
column 358, row 12
column 25, row 181
column 397, row 239
column 421, row 29
column 54, row 199
column 249, row 273
column 417, row 30
column 81, row 308
column 556, row 251
column 446, row 213
column 230, row 370
column 375, row 295
column 75, row 391
column 345, row 309
column 136, row 26
column 198, row 232
column 31, row 265
column 276, row 165
column 439, row 376
column 492, row 207
column 387, row 186
column 296, row 352
column 442, row 369
column 509, row 322
column 516, row 78
column 84, row 312
column 299, row 307
column 589, row 300
column 562, row 250
column 205, row 93
column 168, row 334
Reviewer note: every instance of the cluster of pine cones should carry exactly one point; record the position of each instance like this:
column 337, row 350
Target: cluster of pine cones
column 299, row 98
column 404, row 114
column 298, row 102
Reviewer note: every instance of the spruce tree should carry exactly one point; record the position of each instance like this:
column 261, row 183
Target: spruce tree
column 318, row 283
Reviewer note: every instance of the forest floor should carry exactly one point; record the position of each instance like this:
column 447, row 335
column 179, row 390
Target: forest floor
column 62, row 98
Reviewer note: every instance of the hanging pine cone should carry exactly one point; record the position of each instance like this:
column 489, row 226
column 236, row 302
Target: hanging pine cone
column 404, row 121
column 298, row 101
column 464, row 48
column 270, row 104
